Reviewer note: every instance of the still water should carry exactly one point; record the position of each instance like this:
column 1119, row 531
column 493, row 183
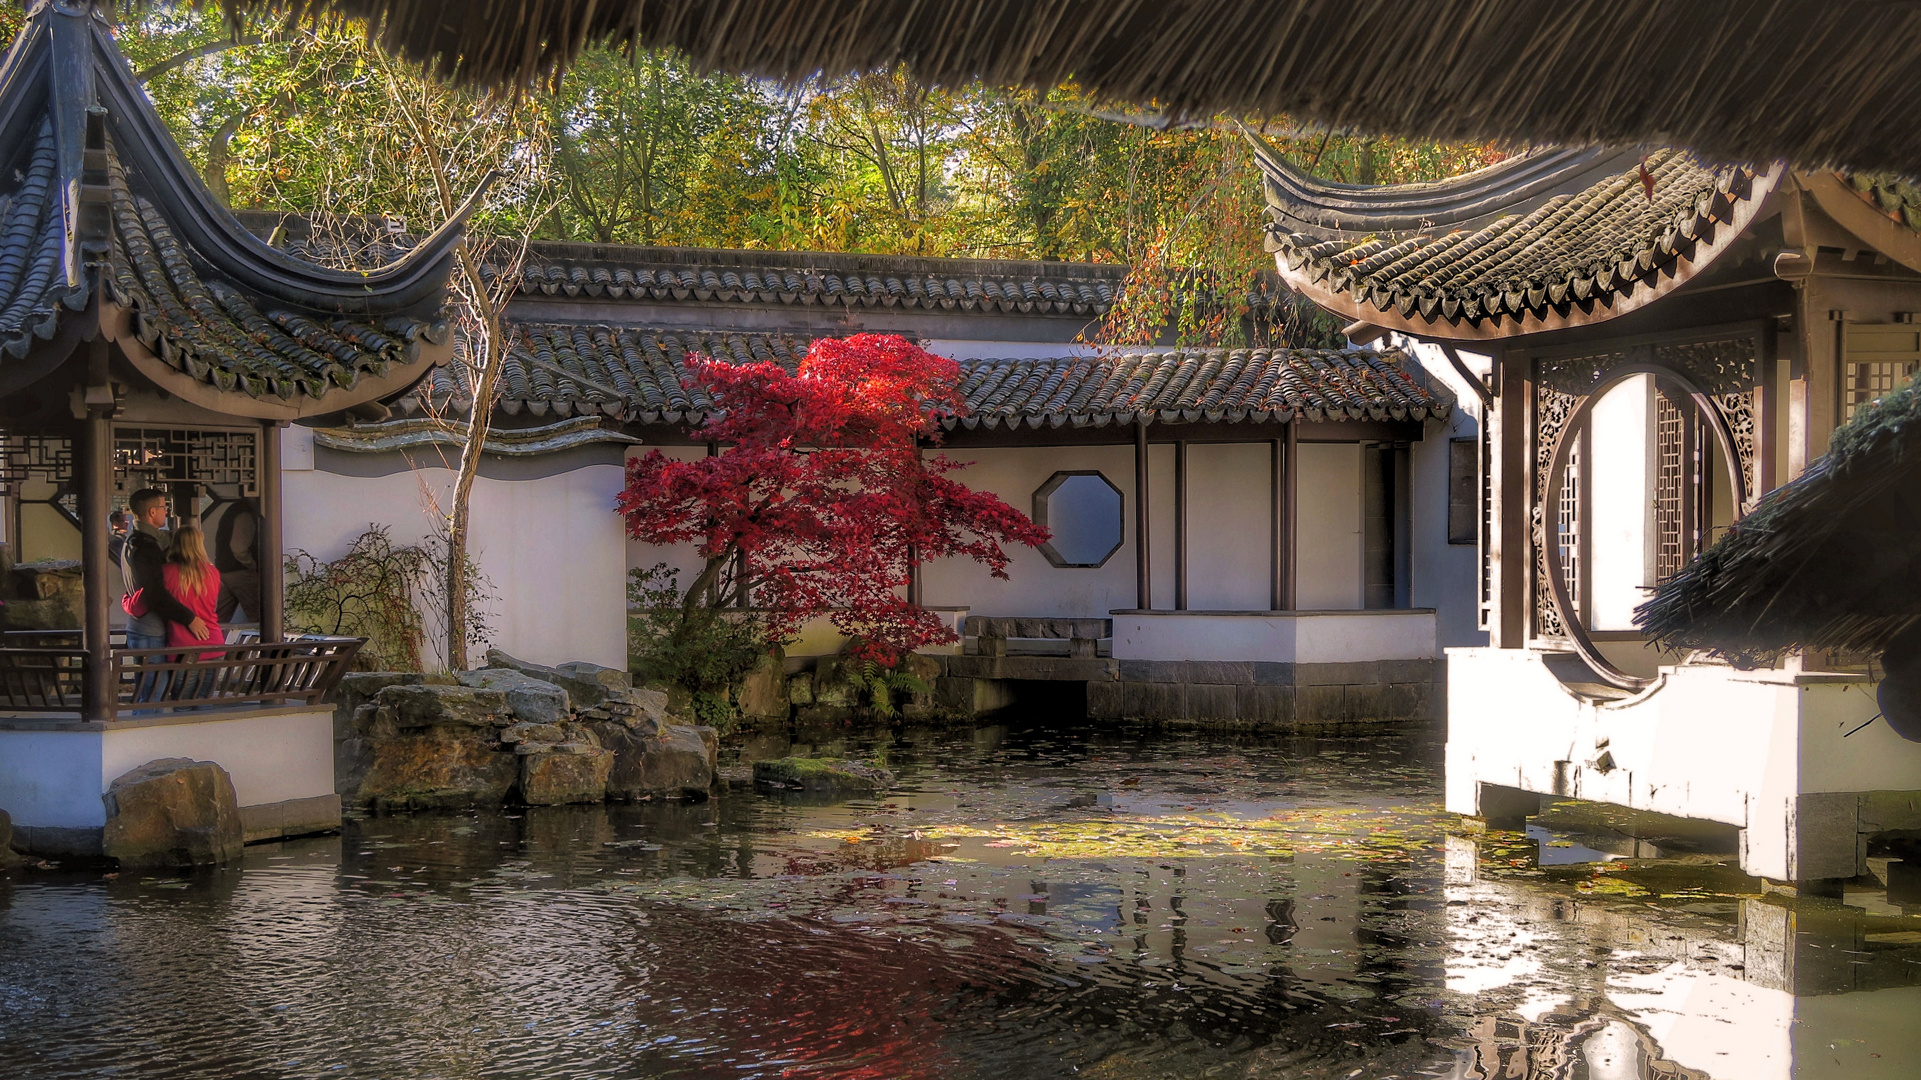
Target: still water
column 1027, row 903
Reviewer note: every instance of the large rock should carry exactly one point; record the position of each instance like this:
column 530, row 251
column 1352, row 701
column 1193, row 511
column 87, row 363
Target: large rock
column 559, row 773
column 639, row 710
column 173, row 812
column 587, row 684
column 353, row 754
column 828, row 776
column 44, row 595
column 763, row 695
column 445, row 706
column 428, row 745
column 8, row 856
column 677, row 761
column 529, row 699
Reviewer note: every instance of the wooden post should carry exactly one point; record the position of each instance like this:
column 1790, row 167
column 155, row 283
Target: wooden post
column 1767, row 442
column 1180, row 525
column 1143, row 562
column 1510, row 492
column 95, row 466
column 1290, row 516
column 273, row 597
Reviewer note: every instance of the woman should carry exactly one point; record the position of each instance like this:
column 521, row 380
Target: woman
column 191, row 579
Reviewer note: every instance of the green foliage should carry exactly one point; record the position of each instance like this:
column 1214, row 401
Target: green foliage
column 378, row 590
column 649, row 149
column 368, row 593
column 881, row 685
column 707, row 651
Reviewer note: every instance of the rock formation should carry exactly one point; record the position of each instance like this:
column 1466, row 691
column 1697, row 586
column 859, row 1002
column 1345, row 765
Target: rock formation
column 513, row 731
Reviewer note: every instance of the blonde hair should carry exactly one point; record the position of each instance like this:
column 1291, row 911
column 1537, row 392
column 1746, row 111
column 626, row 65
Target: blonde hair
column 189, row 553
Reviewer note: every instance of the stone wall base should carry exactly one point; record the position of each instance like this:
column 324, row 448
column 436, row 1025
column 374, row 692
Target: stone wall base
column 264, row 822
column 1221, row 695
column 1247, row 695
column 295, row 817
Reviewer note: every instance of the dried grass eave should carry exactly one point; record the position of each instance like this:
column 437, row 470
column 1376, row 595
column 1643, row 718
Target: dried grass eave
column 1817, row 84
column 1831, row 560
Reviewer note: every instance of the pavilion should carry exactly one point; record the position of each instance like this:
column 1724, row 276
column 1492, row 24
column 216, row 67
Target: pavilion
column 1659, row 340
column 148, row 340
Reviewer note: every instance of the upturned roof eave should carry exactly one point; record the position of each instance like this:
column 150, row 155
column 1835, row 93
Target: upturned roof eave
column 1508, row 326
column 1355, row 211
column 412, row 285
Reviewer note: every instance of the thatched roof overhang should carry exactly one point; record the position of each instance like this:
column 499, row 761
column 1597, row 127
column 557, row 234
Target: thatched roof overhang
column 1728, row 78
column 108, row 231
column 1545, row 242
column 1830, row 560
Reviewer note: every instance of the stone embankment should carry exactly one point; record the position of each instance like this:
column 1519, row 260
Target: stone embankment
column 512, row 732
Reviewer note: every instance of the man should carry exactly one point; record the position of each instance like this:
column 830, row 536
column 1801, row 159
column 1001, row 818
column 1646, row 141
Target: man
column 141, row 564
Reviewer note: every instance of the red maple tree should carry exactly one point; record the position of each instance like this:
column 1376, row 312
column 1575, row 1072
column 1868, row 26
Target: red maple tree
column 820, row 501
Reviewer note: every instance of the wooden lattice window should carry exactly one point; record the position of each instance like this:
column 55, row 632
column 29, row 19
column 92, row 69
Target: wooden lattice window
column 1879, row 358
column 1670, row 489
column 1568, row 524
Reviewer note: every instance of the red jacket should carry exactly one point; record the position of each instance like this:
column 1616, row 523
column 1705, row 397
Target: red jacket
column 202, row 604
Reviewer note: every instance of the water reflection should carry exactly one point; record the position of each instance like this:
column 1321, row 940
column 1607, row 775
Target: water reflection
column 1026, row 905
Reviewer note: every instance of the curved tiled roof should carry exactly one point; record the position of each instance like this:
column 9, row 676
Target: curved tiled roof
column 760, row 277
column 99, row 197
column 1894, row 196
column 217, row 333
column 1573, row 248
column 639, row 374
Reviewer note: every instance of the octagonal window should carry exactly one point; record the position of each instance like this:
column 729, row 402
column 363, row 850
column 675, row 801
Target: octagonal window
column 1083, row 511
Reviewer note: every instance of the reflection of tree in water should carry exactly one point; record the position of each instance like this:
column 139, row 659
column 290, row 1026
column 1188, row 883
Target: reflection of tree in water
column 1563, row 1045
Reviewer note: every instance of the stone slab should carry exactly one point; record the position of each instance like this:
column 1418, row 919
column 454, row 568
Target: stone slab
column 293, row 817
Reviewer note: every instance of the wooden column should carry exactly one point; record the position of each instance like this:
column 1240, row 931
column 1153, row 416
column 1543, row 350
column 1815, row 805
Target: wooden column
column 1287, row 551
column 94, row 464
column 1143, row 561
column 273, row 597
column 1767, row 412
column 1510, row 491
column 1180, row 525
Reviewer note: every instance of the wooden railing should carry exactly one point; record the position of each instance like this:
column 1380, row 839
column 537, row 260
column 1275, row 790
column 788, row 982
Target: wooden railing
column 44, row 671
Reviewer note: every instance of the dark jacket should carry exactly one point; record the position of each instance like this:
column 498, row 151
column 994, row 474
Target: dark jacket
column 142, row 570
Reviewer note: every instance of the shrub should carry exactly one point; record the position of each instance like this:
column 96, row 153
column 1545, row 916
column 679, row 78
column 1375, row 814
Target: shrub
column 709, row 652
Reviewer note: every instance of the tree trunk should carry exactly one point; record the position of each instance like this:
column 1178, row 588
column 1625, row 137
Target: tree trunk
column 219, row 153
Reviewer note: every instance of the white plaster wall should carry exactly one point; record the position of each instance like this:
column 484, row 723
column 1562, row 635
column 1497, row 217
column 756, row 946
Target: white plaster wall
column 1309, row 638
column 979, row 349
column 1704, row 742
column 1230, row 527
column 56, row 778
column 271, row 758
column 1446, row 576
column 52, row 778
column 552, row 547
column 1034, row 586
column 1622, row 511
column 1161, row 523
column 1328, row 559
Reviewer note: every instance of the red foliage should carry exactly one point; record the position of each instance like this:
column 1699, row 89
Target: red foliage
column 821, row 500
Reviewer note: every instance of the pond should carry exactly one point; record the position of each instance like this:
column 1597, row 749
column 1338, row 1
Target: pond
column 1028, row 902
